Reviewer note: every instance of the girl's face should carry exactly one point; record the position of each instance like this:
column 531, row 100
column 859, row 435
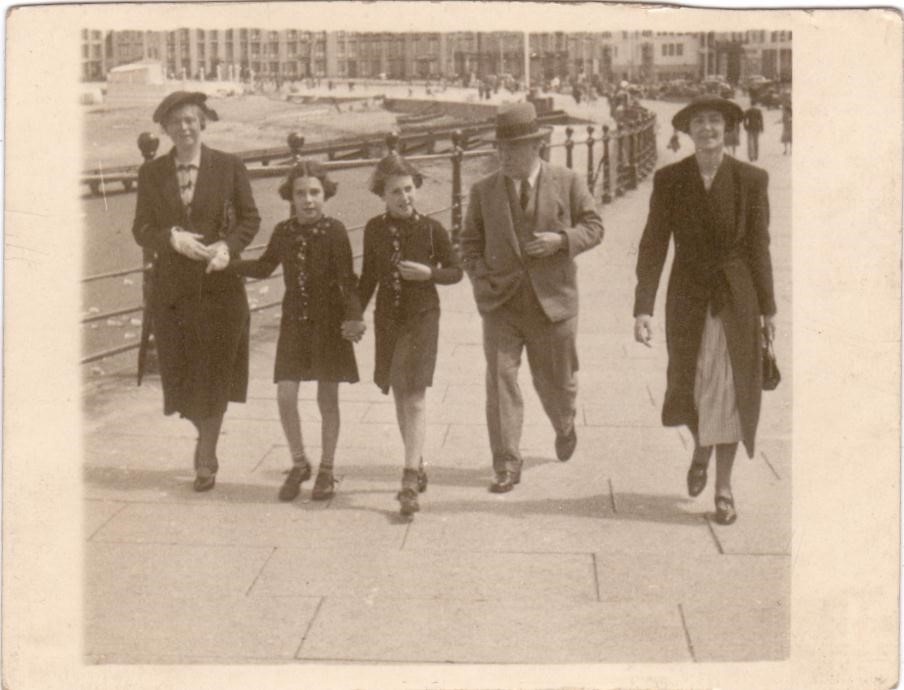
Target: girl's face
column 399, row 194
column 307, row 197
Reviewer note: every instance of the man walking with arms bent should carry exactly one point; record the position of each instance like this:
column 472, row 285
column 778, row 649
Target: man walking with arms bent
column 524, row 225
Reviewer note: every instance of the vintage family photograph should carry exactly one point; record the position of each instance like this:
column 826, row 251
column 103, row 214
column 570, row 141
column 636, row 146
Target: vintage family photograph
column 438, row 345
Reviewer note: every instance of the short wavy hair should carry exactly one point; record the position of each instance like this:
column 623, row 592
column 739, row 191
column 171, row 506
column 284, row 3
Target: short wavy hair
column 307, row 168
column 393, row 165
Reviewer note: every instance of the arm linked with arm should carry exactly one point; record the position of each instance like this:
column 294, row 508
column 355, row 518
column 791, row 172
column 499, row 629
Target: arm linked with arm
column 247, row 219
column 472, row 239
column 264, row 265
column 448, row 271
column 145, row 228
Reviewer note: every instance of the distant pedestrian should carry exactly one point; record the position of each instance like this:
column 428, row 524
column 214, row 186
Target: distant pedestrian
column 321, row 318
column 525, row 224
column 196, row 211
column 753, row 125
column 406, row 255
column 720, row 305
column 786, row 129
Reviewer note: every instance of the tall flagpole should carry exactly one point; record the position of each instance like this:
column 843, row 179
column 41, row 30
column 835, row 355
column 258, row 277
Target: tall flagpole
column 527, row 61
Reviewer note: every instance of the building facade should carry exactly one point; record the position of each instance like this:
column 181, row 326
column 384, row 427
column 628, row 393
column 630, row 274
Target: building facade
column 287, row 54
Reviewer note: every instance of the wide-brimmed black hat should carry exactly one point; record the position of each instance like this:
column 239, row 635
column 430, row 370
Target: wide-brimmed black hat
column 178, row 98
column 518, row 122
column 730, row 110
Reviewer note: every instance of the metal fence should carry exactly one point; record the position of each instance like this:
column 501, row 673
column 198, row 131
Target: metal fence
column 618, row 159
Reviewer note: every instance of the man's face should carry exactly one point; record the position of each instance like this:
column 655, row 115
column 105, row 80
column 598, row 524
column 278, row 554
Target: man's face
column 517, row 158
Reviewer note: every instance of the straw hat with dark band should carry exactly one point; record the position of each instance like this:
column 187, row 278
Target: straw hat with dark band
column 518, row 122
column 730, row 111
column 179, row 98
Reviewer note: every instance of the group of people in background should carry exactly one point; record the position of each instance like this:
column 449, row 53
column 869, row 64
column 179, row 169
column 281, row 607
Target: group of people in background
column 525, row 224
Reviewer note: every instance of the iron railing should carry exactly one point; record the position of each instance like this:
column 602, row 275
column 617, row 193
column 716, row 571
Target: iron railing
column 627, row 155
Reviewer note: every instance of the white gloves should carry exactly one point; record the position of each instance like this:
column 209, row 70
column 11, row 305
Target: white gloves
column 189, row 245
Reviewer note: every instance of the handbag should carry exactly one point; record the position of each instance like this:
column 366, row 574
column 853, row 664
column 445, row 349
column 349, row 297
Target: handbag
column 771, row 375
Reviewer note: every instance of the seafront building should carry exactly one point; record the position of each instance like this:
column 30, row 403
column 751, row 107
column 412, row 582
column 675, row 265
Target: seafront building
column 288, row 54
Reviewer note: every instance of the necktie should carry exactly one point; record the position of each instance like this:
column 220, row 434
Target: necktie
column 186, row 191
column 525, row 194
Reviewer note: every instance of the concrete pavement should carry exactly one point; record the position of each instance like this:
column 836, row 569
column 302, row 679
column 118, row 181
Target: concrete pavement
column 600, row 559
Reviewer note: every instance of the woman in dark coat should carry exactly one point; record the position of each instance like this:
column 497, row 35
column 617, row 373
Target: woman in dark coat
column 196, row 211
column 720, row 299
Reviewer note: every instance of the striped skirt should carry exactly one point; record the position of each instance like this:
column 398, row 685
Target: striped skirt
column 714, row 390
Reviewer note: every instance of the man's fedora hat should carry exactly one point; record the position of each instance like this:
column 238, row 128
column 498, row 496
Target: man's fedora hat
column 518, row 122
column 730, row 110
column 179, row 98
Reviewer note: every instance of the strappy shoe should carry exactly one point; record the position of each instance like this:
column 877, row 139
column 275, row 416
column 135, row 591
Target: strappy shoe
column 421, row 478
column 696, row 479
column 324, row 485
column 725, row 510
column 407, row 497
column 292, row 485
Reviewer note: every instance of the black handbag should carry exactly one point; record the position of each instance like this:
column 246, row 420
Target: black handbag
column 771, row 375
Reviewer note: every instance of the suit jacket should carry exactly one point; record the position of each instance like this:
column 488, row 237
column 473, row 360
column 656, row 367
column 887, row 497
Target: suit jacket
column 722, row 262
column 222, row 209
column 492, row 254
column 753, row 120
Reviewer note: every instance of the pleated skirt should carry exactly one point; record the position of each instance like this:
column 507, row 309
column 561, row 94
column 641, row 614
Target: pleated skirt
column 718, row 418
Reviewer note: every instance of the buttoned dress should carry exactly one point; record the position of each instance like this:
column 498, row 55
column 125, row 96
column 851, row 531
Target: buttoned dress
column 406, row 316
column 320, row 293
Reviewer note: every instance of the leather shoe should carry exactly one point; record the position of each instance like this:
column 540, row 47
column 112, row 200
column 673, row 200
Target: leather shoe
column 565, row 444
column 204, row 483
column 505, row 481
column 696, row 479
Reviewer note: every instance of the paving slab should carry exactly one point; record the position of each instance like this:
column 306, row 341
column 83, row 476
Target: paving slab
column 308, row 412
column 212, row 522
column 172, row 628
column 643, row 574
column 370, row 574
column 739, row 630
column 544, row 631
column 97, row 513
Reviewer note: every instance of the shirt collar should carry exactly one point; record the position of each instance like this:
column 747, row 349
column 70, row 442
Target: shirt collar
column 196, row 161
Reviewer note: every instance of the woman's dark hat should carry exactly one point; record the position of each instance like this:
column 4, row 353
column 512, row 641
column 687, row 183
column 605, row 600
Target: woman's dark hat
column 179, row 98
column 518, row 122
column 730, row 110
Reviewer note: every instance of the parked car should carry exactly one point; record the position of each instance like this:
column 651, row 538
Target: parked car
column 719, row 87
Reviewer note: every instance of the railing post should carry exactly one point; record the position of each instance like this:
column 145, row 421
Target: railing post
column 392, row 143
column 296, row 143
column 147, row 144
column 607, row 173
column 590, row 157
column 632, row 158
column 619, row 166
column 569, row 145
column 457, row 197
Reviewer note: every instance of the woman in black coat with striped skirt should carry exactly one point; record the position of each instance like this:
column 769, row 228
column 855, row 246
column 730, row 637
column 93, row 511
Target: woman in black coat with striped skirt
column 720, row 303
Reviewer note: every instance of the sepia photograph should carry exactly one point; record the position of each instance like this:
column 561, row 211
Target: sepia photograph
column 438, row 345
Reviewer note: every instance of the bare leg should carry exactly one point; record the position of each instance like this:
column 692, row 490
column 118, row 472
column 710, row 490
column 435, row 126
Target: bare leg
column 702, row 454
column 206, row 464
column 725, row 456
column 411, row 412
column 287, row 399
column 328, row 402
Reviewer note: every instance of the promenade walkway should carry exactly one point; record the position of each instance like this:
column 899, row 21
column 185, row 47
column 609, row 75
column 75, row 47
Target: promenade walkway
column 600, row 559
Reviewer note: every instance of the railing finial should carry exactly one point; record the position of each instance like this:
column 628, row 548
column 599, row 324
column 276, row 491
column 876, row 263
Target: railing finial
column 148, row 144
column 295, row 140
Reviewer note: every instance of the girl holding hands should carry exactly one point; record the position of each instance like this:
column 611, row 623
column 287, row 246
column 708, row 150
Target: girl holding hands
column 406, row 255
column 321, row 318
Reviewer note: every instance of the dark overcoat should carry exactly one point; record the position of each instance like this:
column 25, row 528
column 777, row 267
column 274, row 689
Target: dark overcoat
column 200, row 321
column 721, row 262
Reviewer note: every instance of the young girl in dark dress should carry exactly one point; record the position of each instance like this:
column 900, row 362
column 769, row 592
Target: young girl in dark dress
column 406, row 255
column 321, row 317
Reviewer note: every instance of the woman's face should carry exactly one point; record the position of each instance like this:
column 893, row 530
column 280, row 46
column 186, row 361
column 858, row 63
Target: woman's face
column 184, row 125
column 707, row 130
column 399, row 194
column 308, row 199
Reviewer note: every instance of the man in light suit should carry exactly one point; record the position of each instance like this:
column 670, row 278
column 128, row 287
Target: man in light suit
column 524, row 225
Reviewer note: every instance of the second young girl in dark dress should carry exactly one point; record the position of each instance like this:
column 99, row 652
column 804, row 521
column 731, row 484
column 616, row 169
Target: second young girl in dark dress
column 321, row 317
column 406, row 255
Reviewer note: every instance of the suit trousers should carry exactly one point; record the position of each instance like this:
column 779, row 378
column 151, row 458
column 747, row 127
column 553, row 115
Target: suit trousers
column 517, row 325
column 753, row 145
